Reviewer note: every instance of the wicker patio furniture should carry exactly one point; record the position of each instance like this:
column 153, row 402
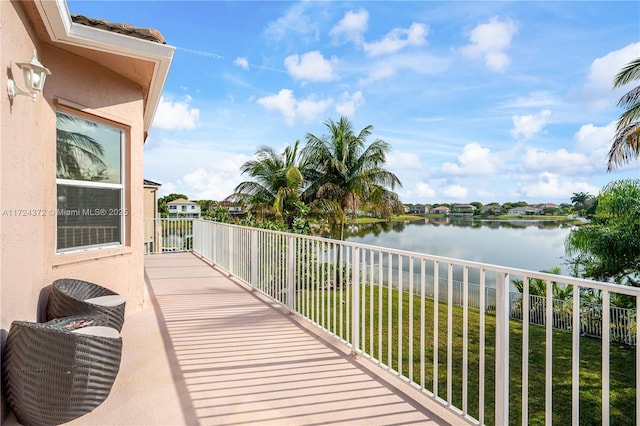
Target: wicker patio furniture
column 53, row 374
column 71, row 297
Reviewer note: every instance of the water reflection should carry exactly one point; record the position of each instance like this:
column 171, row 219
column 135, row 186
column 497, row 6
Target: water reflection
column 527, row 244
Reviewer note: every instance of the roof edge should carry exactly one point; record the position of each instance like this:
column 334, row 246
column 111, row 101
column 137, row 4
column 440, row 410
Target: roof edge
column 61, row 29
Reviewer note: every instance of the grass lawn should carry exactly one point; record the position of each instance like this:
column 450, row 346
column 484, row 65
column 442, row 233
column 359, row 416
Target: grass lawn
column 622, row 359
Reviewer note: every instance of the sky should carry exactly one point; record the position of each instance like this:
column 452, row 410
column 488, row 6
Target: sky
column 489, row 101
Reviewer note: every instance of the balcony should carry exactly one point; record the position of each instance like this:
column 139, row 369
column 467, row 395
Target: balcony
column 207, row 350
column 261, row 327
column 485, row 351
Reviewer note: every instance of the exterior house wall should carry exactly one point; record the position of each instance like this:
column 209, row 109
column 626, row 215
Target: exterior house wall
column 152, row 230
column 150, row 202
column 183, row 208
column 28, row 259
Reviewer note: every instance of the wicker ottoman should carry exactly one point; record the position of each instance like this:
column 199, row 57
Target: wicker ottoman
column 70, row 297
column 52, row 374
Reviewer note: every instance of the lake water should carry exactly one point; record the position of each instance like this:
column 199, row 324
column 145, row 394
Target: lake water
column 525, row 244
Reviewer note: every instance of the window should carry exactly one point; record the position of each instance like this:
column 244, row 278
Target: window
column 89, row 178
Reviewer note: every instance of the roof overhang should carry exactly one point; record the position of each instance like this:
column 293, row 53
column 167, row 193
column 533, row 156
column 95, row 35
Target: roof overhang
column 73, row 36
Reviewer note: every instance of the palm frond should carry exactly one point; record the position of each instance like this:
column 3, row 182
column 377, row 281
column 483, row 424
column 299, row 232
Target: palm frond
column 629, row 73
column 625, row 146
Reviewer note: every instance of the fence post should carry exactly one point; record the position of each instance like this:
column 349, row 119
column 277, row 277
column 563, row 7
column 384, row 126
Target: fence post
column 291, row 274
column 254, row 259
column 502, row 349
column 230, row 253
column 355, row 302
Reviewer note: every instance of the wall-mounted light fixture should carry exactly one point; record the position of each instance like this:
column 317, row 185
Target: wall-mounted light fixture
column 34, row 74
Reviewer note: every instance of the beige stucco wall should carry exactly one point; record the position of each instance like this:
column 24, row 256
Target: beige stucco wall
column 151, row 233
column 150, row 202
column 28, row 258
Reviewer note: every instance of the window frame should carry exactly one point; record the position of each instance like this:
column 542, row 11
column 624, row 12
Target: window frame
column 122, row 186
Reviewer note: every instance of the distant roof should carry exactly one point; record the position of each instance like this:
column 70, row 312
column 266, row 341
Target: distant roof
column 148, row 182
column 126, row 29
column 183, row 201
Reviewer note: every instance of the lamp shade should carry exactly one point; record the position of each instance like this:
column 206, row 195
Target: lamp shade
column 34, row 74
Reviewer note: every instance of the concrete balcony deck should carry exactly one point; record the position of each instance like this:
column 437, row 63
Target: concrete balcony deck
column 208, row 351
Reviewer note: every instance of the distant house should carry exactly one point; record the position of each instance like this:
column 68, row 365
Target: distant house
column 492, row 209
column 463, row 209
column 525, row 210
column 417, row 209
column 234, row 209
column 183, row 208
column 547, row 206
column 440, row 210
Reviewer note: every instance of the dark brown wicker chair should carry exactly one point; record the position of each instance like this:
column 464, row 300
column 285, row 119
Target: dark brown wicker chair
column 52, row 375
column 68, row 297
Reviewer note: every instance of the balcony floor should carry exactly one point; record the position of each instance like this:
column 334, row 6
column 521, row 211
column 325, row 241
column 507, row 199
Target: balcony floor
column 208, row 351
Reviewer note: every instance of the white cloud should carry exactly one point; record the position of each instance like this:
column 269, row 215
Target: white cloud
column 295, row 21
column 527, row 126
column 592, row 144
column 397, row 39
column 177, row 115
column 380, row 71
column 601, row 74
column 489, row 41
column 550, row 186
column 423, row 190
column 351, row 27
column 474, row 160
column 241, row 62
column 215, row 183
column 559, row 161
column 455, row 191
column 397, row 160
column 311, row 66
column 348, row 103
column 535, row 99
column 308, row 109
column 593, row 139
column 284, row 102
column 419, row 63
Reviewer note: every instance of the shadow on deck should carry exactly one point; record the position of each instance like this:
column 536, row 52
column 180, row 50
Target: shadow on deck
column 208, row 351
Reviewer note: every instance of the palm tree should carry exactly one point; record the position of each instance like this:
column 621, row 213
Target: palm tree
column 78, row 156
column 343, row 171
column 275, row 189
column 579, row 197
column 626, row 142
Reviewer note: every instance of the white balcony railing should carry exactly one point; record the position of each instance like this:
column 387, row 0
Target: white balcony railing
column 479, row 362
column 167, row 235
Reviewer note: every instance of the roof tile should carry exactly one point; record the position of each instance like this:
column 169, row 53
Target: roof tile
column 149, row 34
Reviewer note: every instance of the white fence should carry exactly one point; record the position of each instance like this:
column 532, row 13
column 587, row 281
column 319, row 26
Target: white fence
column 352, row 292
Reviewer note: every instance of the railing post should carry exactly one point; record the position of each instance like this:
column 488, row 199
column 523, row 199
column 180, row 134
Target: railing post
column 195, row 236
column 231, row 233
column 254, row 259
column 291, row 273
column 355, row 302
column 502, row 349
column 214, row 244
column 157, row 247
